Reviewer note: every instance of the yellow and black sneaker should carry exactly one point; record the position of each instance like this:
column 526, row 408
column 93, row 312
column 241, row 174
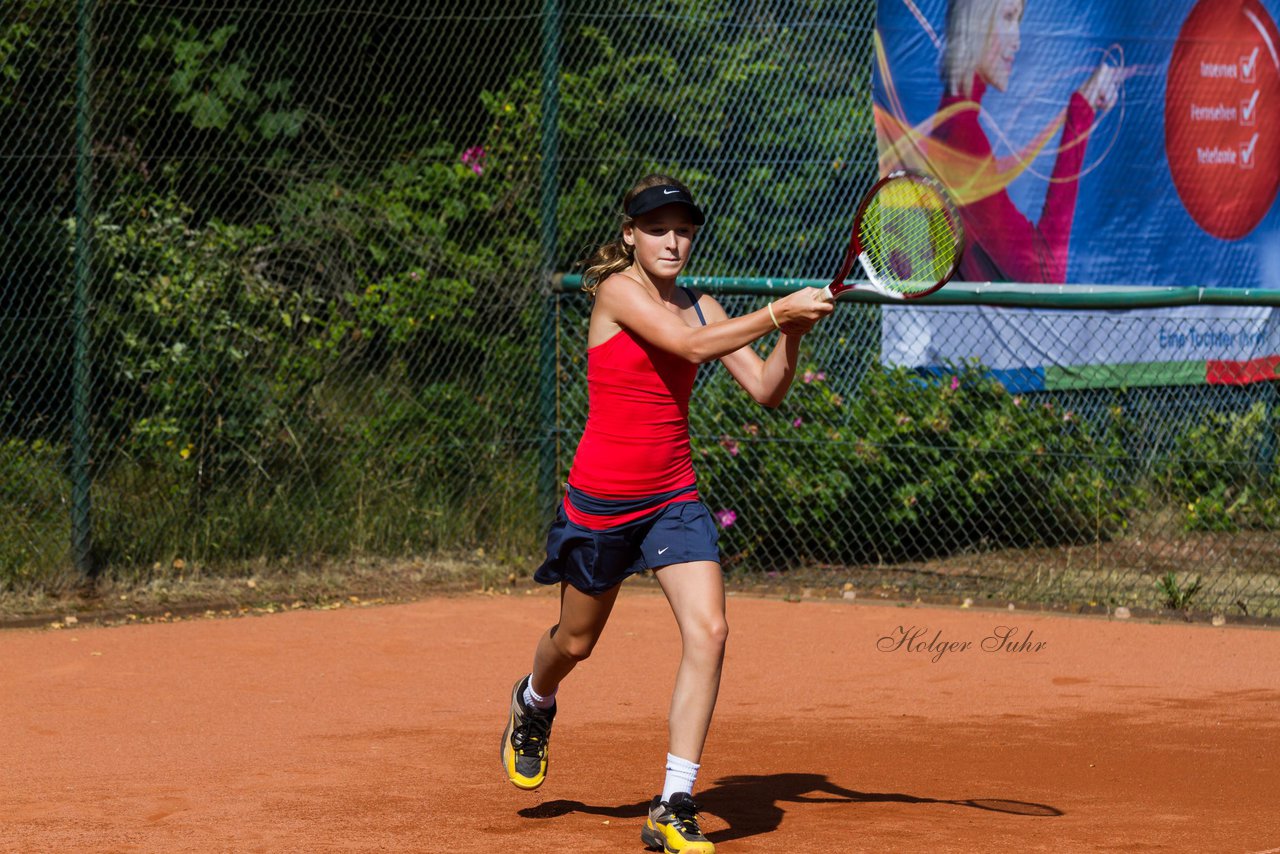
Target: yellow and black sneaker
column 672, row 826
column 525, row 742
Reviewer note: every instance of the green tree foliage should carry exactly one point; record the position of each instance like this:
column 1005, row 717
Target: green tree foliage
column 760, row 107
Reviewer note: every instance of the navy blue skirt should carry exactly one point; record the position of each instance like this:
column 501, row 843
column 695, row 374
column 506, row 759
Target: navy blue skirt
column 596, row 561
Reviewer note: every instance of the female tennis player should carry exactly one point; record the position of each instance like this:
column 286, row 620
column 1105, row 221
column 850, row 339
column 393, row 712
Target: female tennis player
column 632, row 500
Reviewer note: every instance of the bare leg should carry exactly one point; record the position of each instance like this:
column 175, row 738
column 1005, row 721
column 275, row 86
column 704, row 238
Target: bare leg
column 696, row 594
column 582, row 619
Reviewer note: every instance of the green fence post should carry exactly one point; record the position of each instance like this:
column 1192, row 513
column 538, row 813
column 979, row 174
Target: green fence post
column 1270, row 429
column 550, row 195
column 81, row 439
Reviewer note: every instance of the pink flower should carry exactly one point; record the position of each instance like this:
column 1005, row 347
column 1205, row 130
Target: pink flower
column 726, row 518
column 808, row 377
column 474, row 157
column 751, row 429
column 1017, row 400
column 797, row 422
column 821, row 377
column 729, row 445
column 955, row 383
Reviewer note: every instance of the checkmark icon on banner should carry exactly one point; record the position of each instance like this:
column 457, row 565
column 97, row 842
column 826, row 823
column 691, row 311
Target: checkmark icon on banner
column 1249, row 108
column 1248, row 66
column 1246, row 153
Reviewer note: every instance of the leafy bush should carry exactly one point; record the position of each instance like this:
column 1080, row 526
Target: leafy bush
column 904, row 467
column 201, row 358
column 1224, row 471
column 420, row 258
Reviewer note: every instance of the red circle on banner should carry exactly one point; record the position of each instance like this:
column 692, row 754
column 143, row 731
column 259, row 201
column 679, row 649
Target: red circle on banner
column 1220, row 107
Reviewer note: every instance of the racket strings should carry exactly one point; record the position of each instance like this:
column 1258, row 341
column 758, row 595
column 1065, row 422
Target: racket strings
column 909, row 236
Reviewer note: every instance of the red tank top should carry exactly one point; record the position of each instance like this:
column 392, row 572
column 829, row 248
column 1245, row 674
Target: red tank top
column 636, row 442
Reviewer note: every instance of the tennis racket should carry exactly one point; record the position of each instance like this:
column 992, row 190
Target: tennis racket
column 907, row 237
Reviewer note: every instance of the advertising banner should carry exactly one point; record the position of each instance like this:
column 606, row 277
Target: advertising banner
column 1107, row 143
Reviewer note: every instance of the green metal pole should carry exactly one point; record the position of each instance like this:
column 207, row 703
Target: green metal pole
column 81, row 530
column 1270, row 432
column 550, row 195
column 971, row 293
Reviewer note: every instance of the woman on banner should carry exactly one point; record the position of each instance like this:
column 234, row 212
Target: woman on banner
column 1002, row 244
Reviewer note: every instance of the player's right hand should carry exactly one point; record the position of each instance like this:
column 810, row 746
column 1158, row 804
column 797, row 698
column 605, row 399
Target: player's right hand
column 801, row 309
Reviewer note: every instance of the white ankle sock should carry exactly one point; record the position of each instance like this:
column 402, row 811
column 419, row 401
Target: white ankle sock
column 681, row 775
column 533, row 698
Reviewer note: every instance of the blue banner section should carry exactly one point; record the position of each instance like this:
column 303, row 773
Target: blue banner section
column 1104, row 143
column 1107, row 142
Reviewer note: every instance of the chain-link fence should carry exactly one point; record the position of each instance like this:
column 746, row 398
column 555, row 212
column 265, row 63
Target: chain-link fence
column 274, row 286
column 308, row 279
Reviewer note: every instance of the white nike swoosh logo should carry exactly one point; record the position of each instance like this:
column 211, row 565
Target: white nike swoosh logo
column 669, row 192
column 660, row 551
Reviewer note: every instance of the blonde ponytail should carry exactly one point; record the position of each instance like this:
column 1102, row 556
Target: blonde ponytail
column 613, row 257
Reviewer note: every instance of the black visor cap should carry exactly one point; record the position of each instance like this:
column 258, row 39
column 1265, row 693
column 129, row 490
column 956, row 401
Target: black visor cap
column 661, row 196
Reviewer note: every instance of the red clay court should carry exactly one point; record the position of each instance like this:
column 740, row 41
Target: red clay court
column 377, row 729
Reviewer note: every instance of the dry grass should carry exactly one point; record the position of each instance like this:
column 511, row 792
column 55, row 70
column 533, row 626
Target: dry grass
column 262, row 586
column 1242, row 581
